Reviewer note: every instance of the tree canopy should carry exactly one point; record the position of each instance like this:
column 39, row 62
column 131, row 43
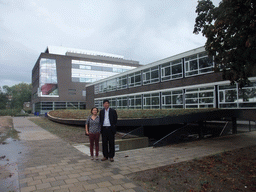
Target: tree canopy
column 18, row 94
column 230, row 30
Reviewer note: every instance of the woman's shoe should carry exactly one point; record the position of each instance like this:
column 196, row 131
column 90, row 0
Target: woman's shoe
column 92, row 158
column 97, row 158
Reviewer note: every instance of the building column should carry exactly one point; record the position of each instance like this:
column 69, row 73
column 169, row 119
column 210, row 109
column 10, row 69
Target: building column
column 200, row 129
column 234, row 125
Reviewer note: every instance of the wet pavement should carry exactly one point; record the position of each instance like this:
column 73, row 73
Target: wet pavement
column 45, row 162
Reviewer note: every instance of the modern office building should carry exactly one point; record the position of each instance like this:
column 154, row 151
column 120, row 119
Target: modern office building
column 186, row 80
column 60, row 75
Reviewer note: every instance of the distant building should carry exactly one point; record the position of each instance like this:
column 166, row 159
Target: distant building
column 60, row 75
column 185, row 80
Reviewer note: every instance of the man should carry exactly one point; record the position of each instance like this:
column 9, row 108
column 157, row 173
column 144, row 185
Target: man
column 108, row 119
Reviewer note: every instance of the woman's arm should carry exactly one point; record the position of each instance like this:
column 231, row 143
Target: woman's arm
column 86, row 129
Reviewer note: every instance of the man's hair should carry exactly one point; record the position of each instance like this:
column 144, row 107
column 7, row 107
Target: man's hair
column 106, row 100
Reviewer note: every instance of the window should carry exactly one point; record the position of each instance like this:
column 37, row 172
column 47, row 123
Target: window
column 48, row 78
column 71, row 91
column 172, row 70
column 86, row 67
column 98, row 103
column 151, row 75
column 200, row 97
column 60, row 105
column 121, row 102
column 89, row 71
column 172, row 99
column 111, row 85
column 112, row 103
column 72, row 105
column 96, row 89
column 103, row 87
column 122, row 82
column 134, row 79
column 198, row 64
column 84, row 93
column 247, row 96
column 228, row 96
column 151, row 101
column 135, row 102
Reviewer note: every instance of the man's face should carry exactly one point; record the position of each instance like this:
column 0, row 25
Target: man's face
column 106, row 105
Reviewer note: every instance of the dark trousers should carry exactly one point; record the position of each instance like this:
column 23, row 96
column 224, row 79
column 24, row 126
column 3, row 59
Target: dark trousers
column 108, row 142
column 94, row 139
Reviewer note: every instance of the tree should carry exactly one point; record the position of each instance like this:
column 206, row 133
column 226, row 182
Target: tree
column 230, row 30
column 18, row 94
column 3, row 100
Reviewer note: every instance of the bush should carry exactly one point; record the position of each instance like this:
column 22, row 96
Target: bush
column 9, row 112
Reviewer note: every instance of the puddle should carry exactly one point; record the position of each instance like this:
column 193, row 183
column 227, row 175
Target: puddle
column 9, row 154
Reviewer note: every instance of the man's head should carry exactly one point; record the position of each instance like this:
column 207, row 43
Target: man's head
column 106, row 104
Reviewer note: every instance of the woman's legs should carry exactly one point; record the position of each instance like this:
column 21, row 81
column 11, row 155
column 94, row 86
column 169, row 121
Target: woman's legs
column 92, row 139
column 97, row 139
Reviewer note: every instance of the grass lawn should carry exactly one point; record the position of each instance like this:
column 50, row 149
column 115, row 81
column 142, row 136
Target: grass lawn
column 128, row 114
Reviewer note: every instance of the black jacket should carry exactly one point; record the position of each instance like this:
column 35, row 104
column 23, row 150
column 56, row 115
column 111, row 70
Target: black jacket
column 112, row 118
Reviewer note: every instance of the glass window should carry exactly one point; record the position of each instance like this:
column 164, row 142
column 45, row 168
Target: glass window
column 121, row 103
column 151, row 75
column 48, row 78
column 111, row 85
column 172, row 99
column 198, row 64
column 122, row 82
column 135, row 102
column 151, row 101
column 172, row 70
column 200, row 97
column 84, row 93
column 98, row 103
column 247, row 96
column 134, row 79
column 60, row 105
column 112, row 103
column 228, row 96
column 103, row 87
column 96, row 89
column 86, row 67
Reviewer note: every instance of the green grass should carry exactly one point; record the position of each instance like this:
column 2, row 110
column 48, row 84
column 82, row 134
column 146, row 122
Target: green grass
column 71, row 134
column 129, row 114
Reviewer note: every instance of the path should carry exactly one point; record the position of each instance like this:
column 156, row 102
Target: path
column 48, row 163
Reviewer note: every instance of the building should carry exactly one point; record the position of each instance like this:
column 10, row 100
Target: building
column 186, row 80
column 60, row 75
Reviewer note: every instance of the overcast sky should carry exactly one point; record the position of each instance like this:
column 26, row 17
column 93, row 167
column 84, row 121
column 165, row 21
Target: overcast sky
column 141, row 30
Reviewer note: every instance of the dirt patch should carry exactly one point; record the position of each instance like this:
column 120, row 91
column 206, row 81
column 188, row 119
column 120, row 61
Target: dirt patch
column 228, row 171
column 6, row 129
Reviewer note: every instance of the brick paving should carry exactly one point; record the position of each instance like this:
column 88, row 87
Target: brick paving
column 48, row 163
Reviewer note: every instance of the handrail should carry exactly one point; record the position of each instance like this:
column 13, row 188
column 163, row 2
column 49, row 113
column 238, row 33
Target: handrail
column 138, row 131
column 166, row 138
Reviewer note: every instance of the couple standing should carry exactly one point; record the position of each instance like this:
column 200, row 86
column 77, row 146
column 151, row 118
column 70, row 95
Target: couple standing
column 104, row 123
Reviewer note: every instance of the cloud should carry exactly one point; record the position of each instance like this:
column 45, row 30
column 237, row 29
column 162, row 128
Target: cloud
column 140, row 30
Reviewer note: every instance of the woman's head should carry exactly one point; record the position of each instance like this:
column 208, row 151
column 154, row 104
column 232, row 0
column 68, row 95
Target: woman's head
column 94, row 110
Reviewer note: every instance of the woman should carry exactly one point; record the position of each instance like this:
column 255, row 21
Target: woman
column 93, row 128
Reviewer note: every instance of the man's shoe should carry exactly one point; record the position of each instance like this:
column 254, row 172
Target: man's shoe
column 104, row 159
column 111, row 160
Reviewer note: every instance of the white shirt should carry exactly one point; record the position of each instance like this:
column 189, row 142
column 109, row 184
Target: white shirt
column 106, row 122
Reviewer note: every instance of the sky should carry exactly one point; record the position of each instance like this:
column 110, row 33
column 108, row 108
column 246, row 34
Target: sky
column 141, row 30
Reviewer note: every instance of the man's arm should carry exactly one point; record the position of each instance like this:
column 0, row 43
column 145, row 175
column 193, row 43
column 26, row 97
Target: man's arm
column 115, row 116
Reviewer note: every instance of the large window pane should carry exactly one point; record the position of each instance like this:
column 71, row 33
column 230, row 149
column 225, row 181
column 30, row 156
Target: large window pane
column 198, row 64
column 48, row 78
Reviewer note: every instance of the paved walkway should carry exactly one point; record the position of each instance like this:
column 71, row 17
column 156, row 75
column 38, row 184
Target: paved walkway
column 48, row 163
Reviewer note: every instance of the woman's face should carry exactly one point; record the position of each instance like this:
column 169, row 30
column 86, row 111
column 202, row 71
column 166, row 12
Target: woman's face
column 94, row 111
